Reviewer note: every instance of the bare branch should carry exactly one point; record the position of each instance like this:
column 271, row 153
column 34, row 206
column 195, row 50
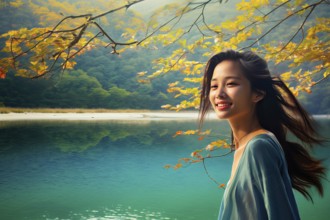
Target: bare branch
column 199, row 22
column 301, row 28
column 113, row 41
column 116, row 9
column 76, row 37
column 321, row 80
column 265, row 16
column 281, row 21
column 184, row 11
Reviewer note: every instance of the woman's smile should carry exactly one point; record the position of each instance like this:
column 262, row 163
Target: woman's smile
column 241, row 90
column 222, row 105
column 230, row 92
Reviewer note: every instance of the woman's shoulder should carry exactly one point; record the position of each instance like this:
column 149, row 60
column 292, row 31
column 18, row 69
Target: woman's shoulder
column 265, row 147
column 264, row 141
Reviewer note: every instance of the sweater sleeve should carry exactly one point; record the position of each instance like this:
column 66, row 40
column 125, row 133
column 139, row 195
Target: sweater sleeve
column 271, row 179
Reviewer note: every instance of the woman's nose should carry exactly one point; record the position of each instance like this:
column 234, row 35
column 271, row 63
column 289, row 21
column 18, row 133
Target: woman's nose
column 221, row 93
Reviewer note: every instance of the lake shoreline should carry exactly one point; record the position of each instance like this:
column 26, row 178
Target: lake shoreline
column 126, row 116
column 122, row 116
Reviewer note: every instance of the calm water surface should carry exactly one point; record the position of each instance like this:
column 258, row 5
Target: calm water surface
column 114, row 170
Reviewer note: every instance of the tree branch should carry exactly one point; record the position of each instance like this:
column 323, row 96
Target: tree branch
column 281, row 21
column 295, row 34
column 116, row 9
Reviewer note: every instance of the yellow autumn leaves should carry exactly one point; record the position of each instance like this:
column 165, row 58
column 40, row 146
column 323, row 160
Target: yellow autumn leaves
column 301, row 53
column 200, row 154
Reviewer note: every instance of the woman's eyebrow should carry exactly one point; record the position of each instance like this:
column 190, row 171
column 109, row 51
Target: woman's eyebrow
column 227, row 77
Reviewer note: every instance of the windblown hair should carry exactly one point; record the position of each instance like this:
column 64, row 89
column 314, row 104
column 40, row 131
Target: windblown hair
column 278, row 112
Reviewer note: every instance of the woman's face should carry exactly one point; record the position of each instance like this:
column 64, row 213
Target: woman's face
column 230, row 94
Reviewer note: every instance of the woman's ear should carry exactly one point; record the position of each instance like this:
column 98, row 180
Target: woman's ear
column 258, row 95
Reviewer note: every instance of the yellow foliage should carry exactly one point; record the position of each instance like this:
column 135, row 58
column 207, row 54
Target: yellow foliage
column 34, row 62
column 286, row 76
column 193, row 80
column 22, row 72
column 229, row 25
column 140, row 74
column 234, row 33
column 219, row 143
column 16, row 3
column 190, row 132
column 69, row 65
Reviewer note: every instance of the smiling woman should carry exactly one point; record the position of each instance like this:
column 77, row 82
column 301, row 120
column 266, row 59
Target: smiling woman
column 260, row 110
column 228, row 84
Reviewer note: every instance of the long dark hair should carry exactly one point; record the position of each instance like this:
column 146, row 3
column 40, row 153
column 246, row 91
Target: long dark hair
column 278, row 112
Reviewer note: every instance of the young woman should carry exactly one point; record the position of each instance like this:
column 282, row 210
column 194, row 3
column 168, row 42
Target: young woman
column 260, row 110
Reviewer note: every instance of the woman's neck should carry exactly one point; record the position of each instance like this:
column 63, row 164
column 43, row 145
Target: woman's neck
column 242, row 129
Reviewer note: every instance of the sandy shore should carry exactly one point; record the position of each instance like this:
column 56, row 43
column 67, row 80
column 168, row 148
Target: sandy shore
column 102, row 116
column 122, row 116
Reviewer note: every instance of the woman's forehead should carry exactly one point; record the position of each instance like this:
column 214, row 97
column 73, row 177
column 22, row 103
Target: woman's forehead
column 227, row 68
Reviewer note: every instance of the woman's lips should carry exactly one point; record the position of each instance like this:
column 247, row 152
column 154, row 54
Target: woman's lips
column 221, row 106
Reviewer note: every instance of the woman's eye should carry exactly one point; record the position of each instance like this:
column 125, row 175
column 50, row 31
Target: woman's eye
column 232, row 84
column 214, row 86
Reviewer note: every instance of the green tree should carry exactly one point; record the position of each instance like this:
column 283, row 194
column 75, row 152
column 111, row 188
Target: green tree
column 186, row 31
column 118, row 98
column 60, row 39
column 77, row 89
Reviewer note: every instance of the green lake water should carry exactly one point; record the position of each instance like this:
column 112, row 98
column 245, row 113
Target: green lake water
column 114, row 170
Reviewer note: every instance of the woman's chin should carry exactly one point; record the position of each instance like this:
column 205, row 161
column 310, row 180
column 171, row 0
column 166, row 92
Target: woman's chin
column 222, row 115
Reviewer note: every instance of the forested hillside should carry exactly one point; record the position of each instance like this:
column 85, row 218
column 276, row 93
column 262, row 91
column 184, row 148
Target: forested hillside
column 99, row 80
column 104, row 80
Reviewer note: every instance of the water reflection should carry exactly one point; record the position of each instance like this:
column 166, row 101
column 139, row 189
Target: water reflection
column 56, row 169
column 118, row 212
column 80, row 136
column 114, row 170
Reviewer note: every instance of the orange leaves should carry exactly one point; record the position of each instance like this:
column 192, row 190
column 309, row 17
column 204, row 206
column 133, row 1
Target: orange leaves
column 5, row 65
column 188, row 132
column 307, row 89
column 222, row 186
column 186, row 160
column 198, row 155
column 2, row 73
column 178, row 133
column 182, row 162
column 177, row 166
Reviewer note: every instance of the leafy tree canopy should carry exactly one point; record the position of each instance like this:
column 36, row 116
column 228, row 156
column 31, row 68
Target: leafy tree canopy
column 291, row 34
